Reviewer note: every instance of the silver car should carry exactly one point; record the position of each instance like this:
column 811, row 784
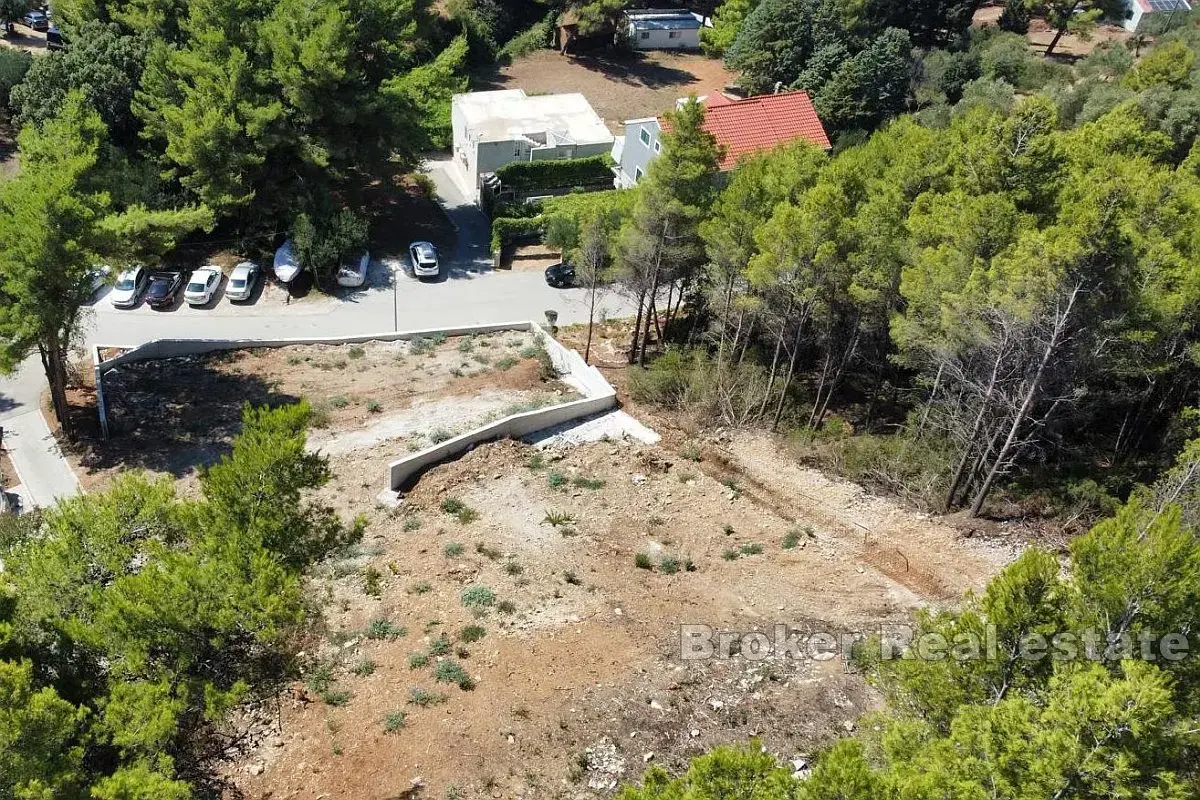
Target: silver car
column 242, row 281
column 424, row 259
column 127, row 291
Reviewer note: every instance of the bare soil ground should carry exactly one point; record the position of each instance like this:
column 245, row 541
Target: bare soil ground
column 529, row 257
column 173, row 416
column 578, row 679
column 619, row 86
column 24, row 38
column 1040, row 34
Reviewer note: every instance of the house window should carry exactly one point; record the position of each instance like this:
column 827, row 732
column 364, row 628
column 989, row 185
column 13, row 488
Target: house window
column 674, row 34
column 645, row 34
column 637, row 174
column 658, row 147
column 644, row 135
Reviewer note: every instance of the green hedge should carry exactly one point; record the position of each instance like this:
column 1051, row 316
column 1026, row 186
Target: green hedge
column 506, row 230
column 526, row 176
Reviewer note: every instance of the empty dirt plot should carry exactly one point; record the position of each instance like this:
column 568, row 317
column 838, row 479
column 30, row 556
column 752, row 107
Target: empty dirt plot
column 512, row 629
column 373, row 402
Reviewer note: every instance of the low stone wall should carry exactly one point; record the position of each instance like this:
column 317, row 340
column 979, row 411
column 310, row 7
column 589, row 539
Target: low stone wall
column 598, row 395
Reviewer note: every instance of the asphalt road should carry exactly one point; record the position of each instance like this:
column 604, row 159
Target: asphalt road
column 467, row 292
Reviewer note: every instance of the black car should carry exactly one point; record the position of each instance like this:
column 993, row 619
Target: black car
column 54, row 39
column 164, row 288
column 36, row 20
column 561, row 274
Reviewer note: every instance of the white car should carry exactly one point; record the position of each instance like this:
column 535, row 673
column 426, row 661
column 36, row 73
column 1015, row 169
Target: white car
column 424, row 259
column 202, row 285
column 127, row 291
column 353, row 271
column 242, row 281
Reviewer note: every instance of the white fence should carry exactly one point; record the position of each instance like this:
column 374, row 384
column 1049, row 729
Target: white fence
column 598, row 395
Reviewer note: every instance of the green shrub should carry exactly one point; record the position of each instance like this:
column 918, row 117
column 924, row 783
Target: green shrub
column 371, row 586
column 791, row 539
column 418, row 660
column 339, row 401
column 394, row 722
column 506, row 607
column 440, row 646
column 356, row 352
column 374, row 407
column 460, row 510
column 336, row 697
column 506, row 363
column 531, row 176
column 421, row 587
column 514, row 568
column 364, row 668
column 453, row 549
column 478, row 597
column 558, row 518
column 642, row 561
column 509, row 230
column 425, row 698
column 440, row 435
column 412, row 523
column 472, row 633
column 537, row 37
column 752, row 549
column 584, row 482
column 669, row 565
column 556, row 480
column 448, row 671
column 385, row 629
column 490, row 553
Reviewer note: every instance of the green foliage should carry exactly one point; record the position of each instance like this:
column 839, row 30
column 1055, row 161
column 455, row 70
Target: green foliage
column 14, row 64
column 425, row 698
column 449, row 671
column 510, row 230
column 472, row 633
column 156, row 615
column 528, row 177
column 322, row 245
column 537, row 37
column 1169, row 65
column 428, row 89
column 643, row 561
column 478, row 597
column 395, row 722
column 727, row 22
column 869, row 87
column 103, row 64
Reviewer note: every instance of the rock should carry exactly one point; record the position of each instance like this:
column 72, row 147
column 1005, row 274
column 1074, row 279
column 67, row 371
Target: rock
column 848, row 726
column 647, row 758
column 351, row 643
column 256, row 768
column 617, row 611
column 695, row 732
column 715, row 705
column 638, row 479
column 275, row 741
column 656, row 705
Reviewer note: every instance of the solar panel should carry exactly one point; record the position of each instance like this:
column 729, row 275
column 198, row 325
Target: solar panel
column 1168, row 5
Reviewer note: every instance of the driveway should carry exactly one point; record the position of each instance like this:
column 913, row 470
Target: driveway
column 468, row 293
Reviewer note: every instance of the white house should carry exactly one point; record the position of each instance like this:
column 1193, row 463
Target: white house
column 1144, row 14
column 492, row 129
column 663, row 29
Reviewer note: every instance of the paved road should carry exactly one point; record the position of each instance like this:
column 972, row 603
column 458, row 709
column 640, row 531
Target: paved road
column 468, row 292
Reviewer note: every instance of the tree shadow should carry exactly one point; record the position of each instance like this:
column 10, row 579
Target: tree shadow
column 175, row 415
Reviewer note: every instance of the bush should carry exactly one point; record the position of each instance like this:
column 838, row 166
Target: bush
column 321, row 244
column 642, row 561
column 448, row 671
column 394, row 722
column 478, row 597
column 418, row 660
column 425, row 698
column 510, row 230
column 472, row 633
column 439, row 646
column 534, row 176
column 675, row 379
column 453, row 549
column 669, row 565
column 537, row 37
column 13, row 66
column 385, row 629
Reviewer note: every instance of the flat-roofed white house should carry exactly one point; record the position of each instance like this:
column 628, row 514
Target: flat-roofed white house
column 492, row 129
column 1148, row 14
column 663, row 29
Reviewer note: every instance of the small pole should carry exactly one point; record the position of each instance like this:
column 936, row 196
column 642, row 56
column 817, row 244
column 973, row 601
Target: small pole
column 395, row 301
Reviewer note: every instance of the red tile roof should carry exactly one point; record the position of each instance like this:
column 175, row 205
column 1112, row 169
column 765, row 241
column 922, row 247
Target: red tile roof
column 744, row 127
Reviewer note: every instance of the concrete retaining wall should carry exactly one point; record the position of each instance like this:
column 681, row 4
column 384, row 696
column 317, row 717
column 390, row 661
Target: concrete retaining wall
column 598, row 395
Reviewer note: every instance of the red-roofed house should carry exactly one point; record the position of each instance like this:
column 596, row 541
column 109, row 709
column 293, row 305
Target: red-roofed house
column 741, row 127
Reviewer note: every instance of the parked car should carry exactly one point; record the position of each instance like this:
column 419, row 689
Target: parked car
column 287, row 267
column 164, row 288
column 202, row 285
column 242, row 281
column 54, row 39
column 560, row 274
column 424, row 259
column 353, row 271
column 37, row 20
column 129, row 287
column 98, row 277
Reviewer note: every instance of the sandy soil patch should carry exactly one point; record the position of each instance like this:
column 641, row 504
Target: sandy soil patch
column 174, row 416
column 619, row 86
column 578, row 681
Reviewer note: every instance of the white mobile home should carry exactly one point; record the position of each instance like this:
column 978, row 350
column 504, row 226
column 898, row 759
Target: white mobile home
column 663, row 29
column 492, row 129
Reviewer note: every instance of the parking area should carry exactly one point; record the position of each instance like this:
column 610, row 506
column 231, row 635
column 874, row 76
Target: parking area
column 23, row 37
